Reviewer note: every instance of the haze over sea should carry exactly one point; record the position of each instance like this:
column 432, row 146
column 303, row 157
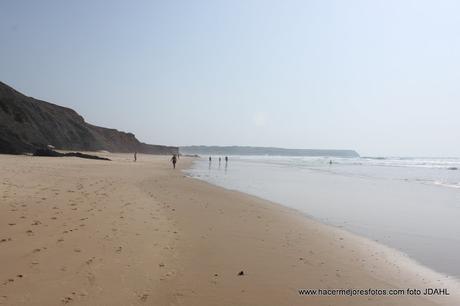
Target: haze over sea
column 410, row 204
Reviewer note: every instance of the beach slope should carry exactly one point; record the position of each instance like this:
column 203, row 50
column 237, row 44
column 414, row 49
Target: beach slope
column 90, row 232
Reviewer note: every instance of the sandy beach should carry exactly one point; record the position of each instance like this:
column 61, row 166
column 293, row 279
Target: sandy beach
column 90, row 232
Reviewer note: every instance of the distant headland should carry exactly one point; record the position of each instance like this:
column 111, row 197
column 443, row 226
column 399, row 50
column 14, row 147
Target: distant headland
column 243, row 150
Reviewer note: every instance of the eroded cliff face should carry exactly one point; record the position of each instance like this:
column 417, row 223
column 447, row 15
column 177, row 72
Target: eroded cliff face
column 27, row 123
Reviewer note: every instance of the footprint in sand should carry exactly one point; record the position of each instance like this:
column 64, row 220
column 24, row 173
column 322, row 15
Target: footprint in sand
column 67, row 300
column 9, row 280
column 143, row 297
column 90, row 261
column 91, row 278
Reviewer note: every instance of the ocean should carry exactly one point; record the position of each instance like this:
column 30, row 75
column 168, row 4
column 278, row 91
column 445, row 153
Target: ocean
column 409, row 204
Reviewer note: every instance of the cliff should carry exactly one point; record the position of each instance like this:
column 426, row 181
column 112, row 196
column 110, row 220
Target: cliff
column 27, row 124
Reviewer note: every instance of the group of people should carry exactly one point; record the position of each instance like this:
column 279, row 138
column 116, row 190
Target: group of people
column 175, row 158
column 220, row 159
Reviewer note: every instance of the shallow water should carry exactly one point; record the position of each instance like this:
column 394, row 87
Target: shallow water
column 412, row 205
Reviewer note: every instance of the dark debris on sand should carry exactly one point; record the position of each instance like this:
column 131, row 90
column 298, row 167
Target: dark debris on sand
column 51, row 153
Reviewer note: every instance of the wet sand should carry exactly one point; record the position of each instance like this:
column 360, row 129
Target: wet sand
column 414, row 217
column 86, row 232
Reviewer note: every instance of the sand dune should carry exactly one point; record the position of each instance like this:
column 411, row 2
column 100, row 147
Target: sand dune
column 87, row 232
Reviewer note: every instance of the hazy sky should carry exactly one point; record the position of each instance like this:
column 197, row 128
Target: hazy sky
column 380, row 77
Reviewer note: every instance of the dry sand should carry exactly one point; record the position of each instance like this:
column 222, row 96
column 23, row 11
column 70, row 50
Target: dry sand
column 88, row 232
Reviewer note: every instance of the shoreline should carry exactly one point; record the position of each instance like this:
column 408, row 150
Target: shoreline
column 404, row 256
column 164, row 238
column 393, row 257
column 413, row 218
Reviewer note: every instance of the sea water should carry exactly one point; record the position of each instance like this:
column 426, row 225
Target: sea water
column 410, row 204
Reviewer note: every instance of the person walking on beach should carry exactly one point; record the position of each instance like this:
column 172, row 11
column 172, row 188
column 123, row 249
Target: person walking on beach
column 174, row 160
column 210, row 159
column 226, row 159
column 135, row 156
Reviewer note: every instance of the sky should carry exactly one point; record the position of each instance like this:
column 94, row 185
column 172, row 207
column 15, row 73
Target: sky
column 379, row 77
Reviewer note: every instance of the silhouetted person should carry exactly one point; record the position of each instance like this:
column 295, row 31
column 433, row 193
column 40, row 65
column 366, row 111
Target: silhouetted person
column 174, row 160
column 210, row 159
column 330, row 162
column 226, row 159
column 135, row 156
